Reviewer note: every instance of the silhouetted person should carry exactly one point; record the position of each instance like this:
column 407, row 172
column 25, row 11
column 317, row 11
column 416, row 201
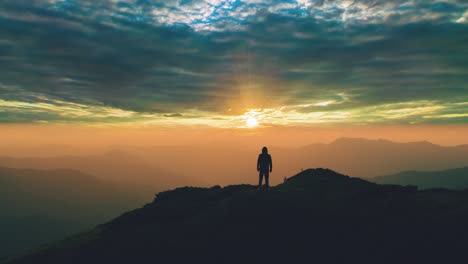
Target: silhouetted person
column 264, row 166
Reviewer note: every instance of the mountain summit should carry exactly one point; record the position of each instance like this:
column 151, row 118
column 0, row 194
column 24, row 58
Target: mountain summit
column 317, row 216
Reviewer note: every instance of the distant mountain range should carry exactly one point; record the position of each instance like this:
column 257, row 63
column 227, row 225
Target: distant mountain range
column 450, row 179
column 165, row 167
column 233, row 164
column 115, row 165
column 42, row 206
column 368, row 158
column 317, row 216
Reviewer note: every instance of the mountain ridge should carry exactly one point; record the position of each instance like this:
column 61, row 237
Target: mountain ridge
column 166, row 167
column 318, row 215
column 451, row 179
column 113, row 165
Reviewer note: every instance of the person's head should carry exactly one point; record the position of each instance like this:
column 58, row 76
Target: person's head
column 264, row 150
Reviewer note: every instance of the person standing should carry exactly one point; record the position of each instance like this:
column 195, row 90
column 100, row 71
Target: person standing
column 264, row 167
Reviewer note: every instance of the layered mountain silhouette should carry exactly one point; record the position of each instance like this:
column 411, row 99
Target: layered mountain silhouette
column 42, row 206
column 115, row 165
column 450, row 179
column 165, row 167
column 227, row 164
column 317, row 216
column 368, row 158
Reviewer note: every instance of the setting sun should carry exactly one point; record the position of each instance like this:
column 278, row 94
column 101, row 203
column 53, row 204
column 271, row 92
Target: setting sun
column 252, row 122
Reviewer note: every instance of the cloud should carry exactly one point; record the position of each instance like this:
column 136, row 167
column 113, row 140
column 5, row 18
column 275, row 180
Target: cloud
column 463, row 18
column 173, row 115
column 199, row 58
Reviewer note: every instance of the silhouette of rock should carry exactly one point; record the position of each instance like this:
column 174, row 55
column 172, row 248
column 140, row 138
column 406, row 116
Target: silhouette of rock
column 317, row 216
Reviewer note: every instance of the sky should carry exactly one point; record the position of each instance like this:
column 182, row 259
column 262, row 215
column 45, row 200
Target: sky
column 234, row 64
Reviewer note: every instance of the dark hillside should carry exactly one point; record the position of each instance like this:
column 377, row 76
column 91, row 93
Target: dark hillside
column 318, row 216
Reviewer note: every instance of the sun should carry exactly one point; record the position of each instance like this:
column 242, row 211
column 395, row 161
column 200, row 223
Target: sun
column 252, row 122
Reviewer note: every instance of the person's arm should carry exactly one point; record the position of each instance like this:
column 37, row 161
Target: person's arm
column 258, row 163
column 271, row 164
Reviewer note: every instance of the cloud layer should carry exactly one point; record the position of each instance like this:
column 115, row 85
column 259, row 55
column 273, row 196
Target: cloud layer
column 214, row 62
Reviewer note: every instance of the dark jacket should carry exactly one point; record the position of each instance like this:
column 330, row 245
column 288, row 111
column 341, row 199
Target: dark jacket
column 264, row 162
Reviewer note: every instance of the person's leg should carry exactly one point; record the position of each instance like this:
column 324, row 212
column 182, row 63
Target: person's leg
column 267, row 177
column 260, row 179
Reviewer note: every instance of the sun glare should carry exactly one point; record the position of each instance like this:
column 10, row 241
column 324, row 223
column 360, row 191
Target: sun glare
column 252, row 122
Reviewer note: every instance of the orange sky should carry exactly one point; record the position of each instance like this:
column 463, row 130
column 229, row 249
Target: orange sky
column 93, row 137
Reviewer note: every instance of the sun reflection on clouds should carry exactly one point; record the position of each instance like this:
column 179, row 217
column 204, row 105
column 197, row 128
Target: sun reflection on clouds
column 53, row 110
